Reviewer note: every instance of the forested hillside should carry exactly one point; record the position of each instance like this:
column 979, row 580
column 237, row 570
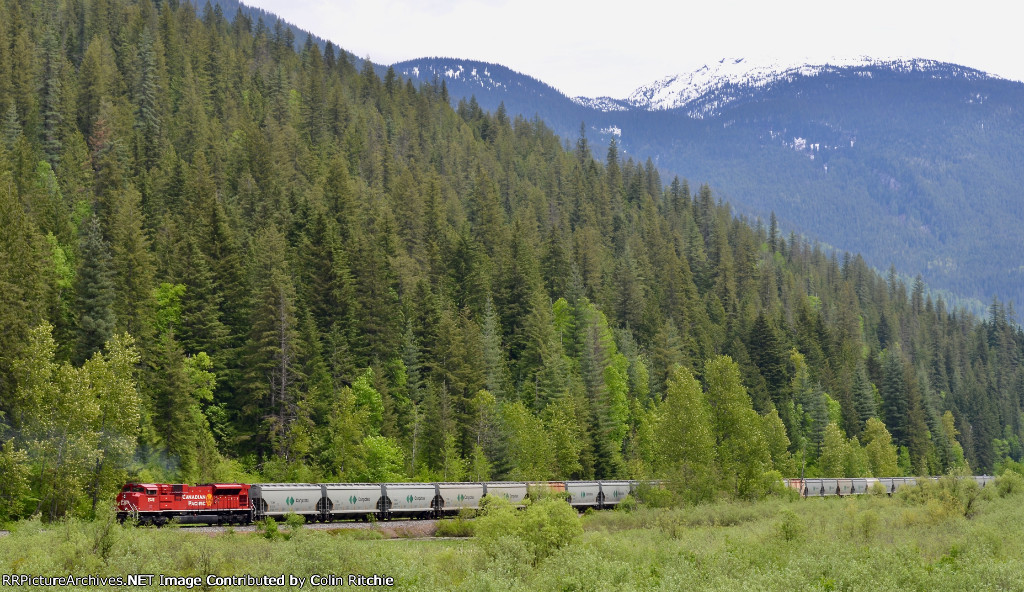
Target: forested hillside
column 222, row 258
column 909, row 162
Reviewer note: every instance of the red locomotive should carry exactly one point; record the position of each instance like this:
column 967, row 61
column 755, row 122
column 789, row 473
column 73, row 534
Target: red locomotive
column 158, row 503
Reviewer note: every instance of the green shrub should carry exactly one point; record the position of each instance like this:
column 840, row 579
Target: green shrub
column 543, row 527
column 949, row 497
column 267, row 528
column 790, row 526
column 773, row 484
column 455, row 527
column 1009, row 483
column 868, row 523
column 294, row 521
column 627, row 505
column 671, row 523
column 656, row 497
column 549, row 525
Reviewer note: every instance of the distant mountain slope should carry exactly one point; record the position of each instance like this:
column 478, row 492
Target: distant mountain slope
column 494, row 84
column 912, row 162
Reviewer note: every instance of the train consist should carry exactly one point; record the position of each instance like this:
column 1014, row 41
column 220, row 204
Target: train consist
column 239, row 503
column 858, row 486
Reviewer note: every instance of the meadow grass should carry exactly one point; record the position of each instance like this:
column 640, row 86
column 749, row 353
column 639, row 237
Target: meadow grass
column 928, row 539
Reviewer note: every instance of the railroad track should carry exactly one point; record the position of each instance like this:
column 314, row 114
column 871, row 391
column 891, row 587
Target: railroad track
column 397, row 528
column 407, row 527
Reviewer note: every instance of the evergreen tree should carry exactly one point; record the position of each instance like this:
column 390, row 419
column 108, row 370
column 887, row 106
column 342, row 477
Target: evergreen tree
column 94, row 285
column 274, row 348
column 131, row 262
column 895, row 397
column 200, row 328
column 863, row 396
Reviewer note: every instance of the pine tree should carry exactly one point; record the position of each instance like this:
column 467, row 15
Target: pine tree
column 147, row 107
column 52, row 96
column 131, row 262
column 497, row 377
column 812, row 401
column 895, row 397
column 26, row 272
column 273, row 351
column 768, row 355
column 180, row 386
column 200, row 329
column 94, row 285
column 863, row 396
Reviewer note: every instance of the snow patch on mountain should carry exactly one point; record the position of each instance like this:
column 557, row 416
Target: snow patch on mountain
column 453, row 70
column 705, row 91
column 605, row 104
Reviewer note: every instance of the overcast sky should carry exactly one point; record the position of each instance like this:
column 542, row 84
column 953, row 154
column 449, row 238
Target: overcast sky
column 598, row 47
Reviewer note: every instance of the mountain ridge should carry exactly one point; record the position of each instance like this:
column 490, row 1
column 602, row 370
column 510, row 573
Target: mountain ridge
column 909, row 161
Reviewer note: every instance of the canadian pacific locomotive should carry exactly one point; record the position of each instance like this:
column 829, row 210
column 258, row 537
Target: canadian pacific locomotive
column 239, row 503
column 153, row 503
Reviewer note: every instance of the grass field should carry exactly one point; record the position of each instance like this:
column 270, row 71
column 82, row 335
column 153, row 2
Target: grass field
column 940, row 537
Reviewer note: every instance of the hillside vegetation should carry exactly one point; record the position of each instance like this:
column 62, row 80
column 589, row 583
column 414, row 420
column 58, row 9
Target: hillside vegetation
column 224, row 258
column 914, row 540
column 909, row 162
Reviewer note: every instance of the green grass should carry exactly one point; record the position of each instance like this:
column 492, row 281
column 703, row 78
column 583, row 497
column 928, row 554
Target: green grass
column 916, row 541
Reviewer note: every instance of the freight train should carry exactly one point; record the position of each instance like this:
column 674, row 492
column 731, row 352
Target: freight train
column 240, row 503
column 857, row 486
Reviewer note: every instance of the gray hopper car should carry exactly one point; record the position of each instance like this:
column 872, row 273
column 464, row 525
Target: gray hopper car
column 325, row 502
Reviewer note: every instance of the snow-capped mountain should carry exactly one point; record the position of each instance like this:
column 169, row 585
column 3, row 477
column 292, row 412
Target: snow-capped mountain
column 707, row 90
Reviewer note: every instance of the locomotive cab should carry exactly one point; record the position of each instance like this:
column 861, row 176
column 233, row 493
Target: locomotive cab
column 135, row 498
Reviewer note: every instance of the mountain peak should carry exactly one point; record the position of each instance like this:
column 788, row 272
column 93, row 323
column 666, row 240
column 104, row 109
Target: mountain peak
column 706, row 90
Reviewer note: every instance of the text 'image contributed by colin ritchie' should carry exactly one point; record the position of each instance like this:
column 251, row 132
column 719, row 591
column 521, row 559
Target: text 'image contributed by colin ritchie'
column 189, row 582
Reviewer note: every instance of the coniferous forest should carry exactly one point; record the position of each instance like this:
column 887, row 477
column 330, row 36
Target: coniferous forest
column 225, row 257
